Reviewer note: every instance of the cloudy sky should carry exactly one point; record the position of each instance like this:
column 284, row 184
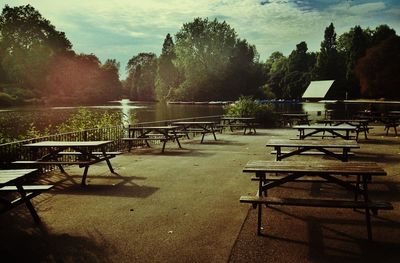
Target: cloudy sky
column 121, row 29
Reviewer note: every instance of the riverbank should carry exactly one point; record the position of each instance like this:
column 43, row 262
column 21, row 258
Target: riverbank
column 183, row 206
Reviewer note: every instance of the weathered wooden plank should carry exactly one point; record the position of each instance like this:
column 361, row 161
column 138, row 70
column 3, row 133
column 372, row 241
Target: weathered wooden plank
column 328, row 167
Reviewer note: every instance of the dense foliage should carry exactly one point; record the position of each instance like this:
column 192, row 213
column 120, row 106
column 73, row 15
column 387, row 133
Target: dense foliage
column 205, row 60
column 37, row 63
column 246, row 106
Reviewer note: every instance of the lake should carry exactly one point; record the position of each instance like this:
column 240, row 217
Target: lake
column 16, row 121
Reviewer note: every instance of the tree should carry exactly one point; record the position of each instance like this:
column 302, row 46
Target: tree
column 142, row 70
column 328, row 61
column 28, row 43
column 359, row 42
column 297, row 76
column 209, row 55
column 276, row 66
column 381, row 33
column 109, row 84
column 81, row 79
column 379, row 69
column 167, row 73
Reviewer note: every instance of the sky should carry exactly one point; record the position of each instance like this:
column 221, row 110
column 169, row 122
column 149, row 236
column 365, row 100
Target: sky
column 122, row 29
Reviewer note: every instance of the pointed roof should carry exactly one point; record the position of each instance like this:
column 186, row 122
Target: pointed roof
column 317, row 89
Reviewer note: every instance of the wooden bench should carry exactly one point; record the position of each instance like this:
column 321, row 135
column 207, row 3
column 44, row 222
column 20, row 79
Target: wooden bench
column 94, row 153
column 258, row 201
column 310, row 153
column 143, row 140
column 31, row 188
column 31, row 192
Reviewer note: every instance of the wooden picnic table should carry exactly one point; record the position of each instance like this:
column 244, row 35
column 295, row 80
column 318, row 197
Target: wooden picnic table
column 298, row 118
column 82, row 153
column 360, row 124
column 305, row 146
column 390, row 121
column 330, row 172
column 247, row 123
column 333, row 130
column 12, row 180
column 202, row 127
column 152, row 133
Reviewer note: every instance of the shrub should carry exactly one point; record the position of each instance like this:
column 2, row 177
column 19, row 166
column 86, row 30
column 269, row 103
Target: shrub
column 248, row 107
column 6, row 99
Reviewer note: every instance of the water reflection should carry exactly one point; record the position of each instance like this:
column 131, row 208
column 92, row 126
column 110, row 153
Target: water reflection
column 17, row 120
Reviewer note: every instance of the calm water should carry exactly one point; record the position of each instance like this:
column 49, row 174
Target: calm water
column 16, row 121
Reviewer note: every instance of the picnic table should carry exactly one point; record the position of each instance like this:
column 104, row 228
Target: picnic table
column 202, row 127
column 330, row 172
column 12, row 180
column 333, row 130
column 390, row 121
column 298, row 118
column 360, row 124
column 247, row 123
column 152, row 133
column 82, row 153
column 305, row 146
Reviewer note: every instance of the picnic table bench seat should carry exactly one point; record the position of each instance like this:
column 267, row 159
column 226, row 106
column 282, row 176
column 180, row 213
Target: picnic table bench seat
column 17, row 193
column 329, row 203
column 310, row 153
column 32, row 191
column 30, row 188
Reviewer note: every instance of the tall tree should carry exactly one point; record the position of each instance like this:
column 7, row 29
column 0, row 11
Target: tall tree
column 297, row 76
column 208, row 53
column 328, row 63
column 379, row 69
column 142, row 70
column 28, row 43
column 359, row 42
column 167, row 73
column 276, row 66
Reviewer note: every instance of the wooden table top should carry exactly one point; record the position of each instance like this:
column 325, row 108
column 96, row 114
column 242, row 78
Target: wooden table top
column 238, row 118
column 193, row 122
column 295, row 114
column 167, row 127
column 343, row 120
column 68, row 144
column 343, row 127
column 326, row 167
column 6, row 176
column 327, row 143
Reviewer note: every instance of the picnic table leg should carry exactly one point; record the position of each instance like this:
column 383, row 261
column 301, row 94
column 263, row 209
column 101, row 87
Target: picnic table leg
column 85, row 172
column 107, row 160
column 28, row 203
column 367, row 212
column 213, row 132
column 176, row 138
column 278, row 153
column 261, row 192
column 345, row 154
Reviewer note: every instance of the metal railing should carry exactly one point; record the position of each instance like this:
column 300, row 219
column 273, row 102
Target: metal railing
column 13, row 151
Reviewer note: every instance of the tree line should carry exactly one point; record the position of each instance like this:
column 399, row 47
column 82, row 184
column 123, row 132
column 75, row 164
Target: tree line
column 205, row 60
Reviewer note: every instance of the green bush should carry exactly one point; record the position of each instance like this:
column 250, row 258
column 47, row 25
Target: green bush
column 248, row 107
column 6, row 99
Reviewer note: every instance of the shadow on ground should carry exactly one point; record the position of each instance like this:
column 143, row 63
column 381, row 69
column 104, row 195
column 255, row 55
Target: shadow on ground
column 330, row 237
column 23, row 241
